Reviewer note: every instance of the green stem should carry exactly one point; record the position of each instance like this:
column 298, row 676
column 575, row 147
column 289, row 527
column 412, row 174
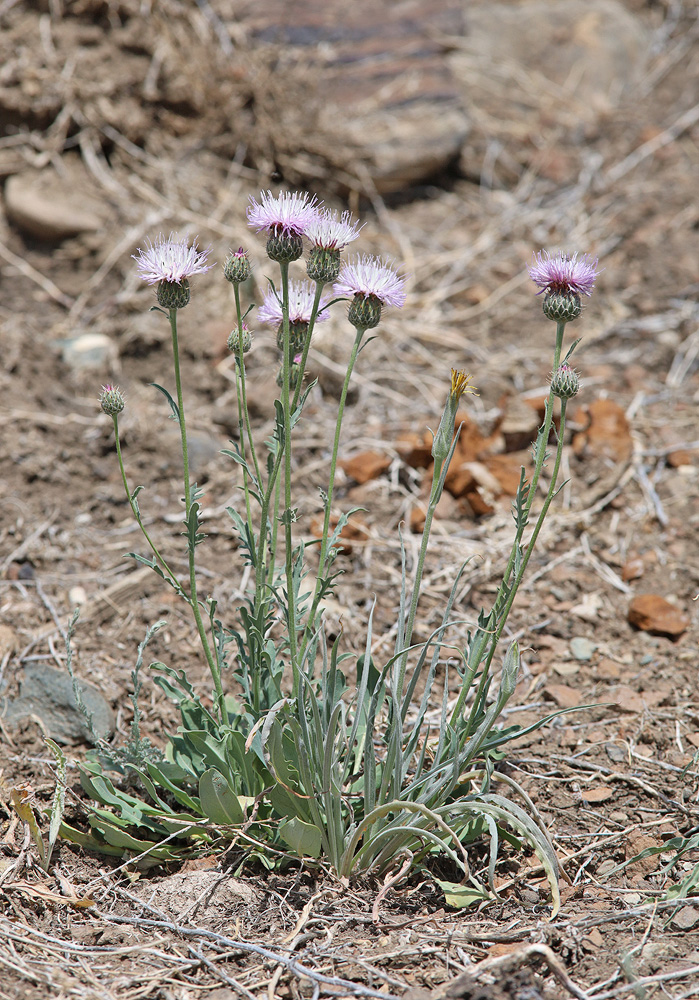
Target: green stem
column 508, row 588
column 243, row 387
column 435, row 494
column 136, row 513
column 288, row 513
column 193, row 599
column 331, row 483
column 540, row 459
column 275, row 526
column 532, row 541
column 307, row 345
column 246, row 477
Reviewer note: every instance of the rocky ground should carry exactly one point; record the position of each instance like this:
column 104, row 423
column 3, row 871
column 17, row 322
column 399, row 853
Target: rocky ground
column 466, row 136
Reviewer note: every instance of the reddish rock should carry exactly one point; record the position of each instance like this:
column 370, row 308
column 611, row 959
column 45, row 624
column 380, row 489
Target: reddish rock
column 354, row 531
column 507, row 469
column 607, row 434
column 676, row 459
column 632, row 569
column 652, row 613
column 415, row 449
column 365, row 465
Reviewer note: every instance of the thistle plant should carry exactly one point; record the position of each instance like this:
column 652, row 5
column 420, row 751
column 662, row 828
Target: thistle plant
column 306, row 749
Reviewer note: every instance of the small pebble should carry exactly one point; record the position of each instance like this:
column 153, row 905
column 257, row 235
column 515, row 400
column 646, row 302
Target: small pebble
column 77, row 596
column 582, row 648
column 685, row 919
column 615, row 753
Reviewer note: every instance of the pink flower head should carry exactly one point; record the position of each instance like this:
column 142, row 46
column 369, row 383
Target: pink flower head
column 285, row 214
column 328, row 232
column 171, row 260
column 564, row 273
column 369, row 276
column 301, row 299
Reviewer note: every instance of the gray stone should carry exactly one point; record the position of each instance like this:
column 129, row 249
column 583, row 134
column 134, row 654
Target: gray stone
column 47, row 693
column 88, row 350
column 197, row 895
column 685, row 919
column 52, row 207
column 582, row 648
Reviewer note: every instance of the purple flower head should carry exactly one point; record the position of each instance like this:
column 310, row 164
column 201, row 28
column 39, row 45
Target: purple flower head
column 171, row 260
column 369, row 276
column 301, row 299
column 330, row 233
column 112, row 399
column 237, row 267
column 285, row 214
column 565, row 273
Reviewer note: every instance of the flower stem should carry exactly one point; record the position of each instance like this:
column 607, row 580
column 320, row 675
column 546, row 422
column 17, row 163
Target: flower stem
column 532, row 541
column 307, row 345
column 507, row 591
column 331, row 483
column 243, row 387
column 136, row 512
column 193, row 599
column 436, row 490
column 288, row 514
column 539, row 461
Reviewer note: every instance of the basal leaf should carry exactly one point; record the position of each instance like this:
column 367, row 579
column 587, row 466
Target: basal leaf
column 219, row 803
column 462, row 896
column 303, row 838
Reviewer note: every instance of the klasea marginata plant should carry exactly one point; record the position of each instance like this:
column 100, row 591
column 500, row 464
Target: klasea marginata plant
column 304, row 749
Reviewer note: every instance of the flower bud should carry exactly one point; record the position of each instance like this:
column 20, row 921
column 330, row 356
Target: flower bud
column 237, row 267
column 365, row 312
column 563, row 307
column 565, row 382
column 323, row 264
column 296, row 373
column 235, row 340
column 298, row 332
column 173, row 294
column 111, row 400
column 284, row 247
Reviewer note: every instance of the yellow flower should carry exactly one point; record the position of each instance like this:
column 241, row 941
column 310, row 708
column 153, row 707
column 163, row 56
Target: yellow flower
column 460, row 383
column 441, row 446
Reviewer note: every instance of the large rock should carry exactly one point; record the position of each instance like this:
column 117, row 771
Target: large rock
column 47, row 693
column 50, row 206
column 380, row 81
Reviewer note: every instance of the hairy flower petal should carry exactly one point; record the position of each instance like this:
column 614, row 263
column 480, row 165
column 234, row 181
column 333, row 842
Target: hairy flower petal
column 564, row 272
column 171, row 260
column 301, row 299
column 286, row 213
column 367, row 276
column 332, row 233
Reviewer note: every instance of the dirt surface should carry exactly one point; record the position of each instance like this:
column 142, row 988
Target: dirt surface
column 140, row 122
